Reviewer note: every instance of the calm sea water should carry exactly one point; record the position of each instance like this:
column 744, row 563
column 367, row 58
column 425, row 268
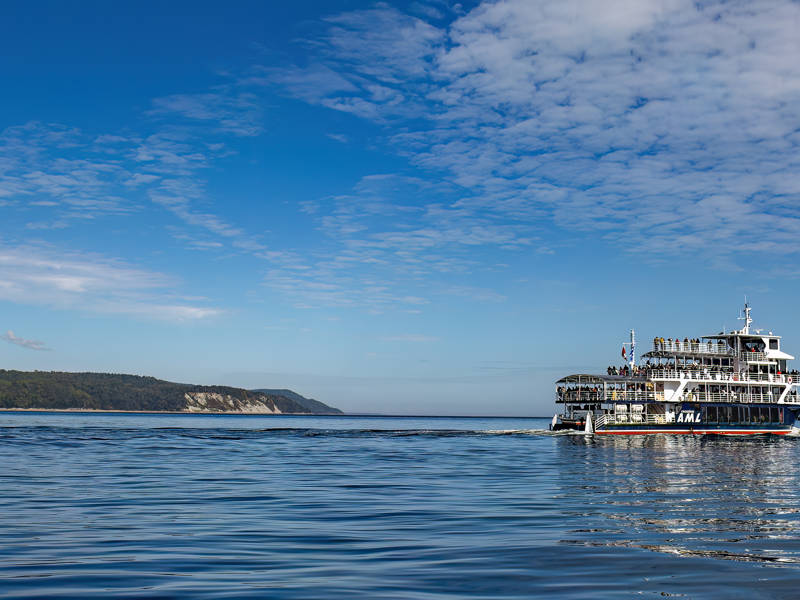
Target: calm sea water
column 156, row 506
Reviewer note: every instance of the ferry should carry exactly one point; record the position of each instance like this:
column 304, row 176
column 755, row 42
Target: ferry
column 732, row 383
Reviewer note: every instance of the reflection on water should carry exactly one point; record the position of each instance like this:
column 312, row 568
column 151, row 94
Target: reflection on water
column 733, row 498
column 199, row 507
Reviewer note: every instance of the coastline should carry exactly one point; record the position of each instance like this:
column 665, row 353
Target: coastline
column 187, row 412
column 165, row 412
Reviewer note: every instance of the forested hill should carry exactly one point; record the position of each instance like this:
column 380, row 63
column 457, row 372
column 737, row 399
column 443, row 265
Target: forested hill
column 107, row 391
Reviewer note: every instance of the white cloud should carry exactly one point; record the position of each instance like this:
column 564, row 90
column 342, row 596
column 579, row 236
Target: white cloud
column 311, row 83
column 91, row 282
column 392, row 243
column 227, row 110
column 30, row 344
column 339, row 137
column 43, row 165
column 669, row 123
column 70, row 173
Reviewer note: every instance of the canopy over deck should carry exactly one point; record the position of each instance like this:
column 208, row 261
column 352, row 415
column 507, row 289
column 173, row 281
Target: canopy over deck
column 590, row 378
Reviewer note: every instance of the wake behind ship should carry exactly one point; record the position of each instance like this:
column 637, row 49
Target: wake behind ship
column 729, row 383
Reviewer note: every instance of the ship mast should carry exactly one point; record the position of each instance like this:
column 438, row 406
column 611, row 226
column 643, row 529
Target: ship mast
column 746, row 318
column 632, row 344
column 633, row 349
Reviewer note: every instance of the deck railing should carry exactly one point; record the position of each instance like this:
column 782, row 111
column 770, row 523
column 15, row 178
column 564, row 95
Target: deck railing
column 632, row 419
column 694, row 347
column 720, row 376
column 634, row 397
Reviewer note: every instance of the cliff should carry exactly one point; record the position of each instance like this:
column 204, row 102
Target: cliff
column 109, row 391
column 314, row 406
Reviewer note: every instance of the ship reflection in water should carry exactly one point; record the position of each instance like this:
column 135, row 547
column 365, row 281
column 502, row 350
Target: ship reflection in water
column 716, row 497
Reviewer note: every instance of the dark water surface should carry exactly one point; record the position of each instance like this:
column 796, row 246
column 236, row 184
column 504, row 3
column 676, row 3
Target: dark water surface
column 159, row 506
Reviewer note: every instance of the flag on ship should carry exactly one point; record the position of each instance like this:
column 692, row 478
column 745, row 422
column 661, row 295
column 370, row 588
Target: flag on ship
column 623, row 352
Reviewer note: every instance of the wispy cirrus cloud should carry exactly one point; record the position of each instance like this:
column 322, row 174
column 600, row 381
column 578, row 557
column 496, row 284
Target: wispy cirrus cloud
column 52, row 177
column 224, row 109
column 367, row 64
column 9, row 337
column 51, row 277
column 668, row 122
column 57, row 175
column 51, row 166
column 385, row 248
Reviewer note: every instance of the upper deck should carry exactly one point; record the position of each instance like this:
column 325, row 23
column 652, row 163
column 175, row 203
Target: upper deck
column 706, row 347
column 737, row 366
column 742, row 345
column 746, row 347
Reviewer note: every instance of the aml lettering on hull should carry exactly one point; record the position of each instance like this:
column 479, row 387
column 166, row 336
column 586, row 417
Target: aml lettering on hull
column 688, row 417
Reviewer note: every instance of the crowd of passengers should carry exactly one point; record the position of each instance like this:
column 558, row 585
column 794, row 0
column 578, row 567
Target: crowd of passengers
column 582, row 389
column 587, row 392
column 588, row 389
column 627, row 371
column 647, row 369
column 694, row 344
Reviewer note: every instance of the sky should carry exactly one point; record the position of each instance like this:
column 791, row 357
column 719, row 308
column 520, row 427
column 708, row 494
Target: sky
column 419, row 207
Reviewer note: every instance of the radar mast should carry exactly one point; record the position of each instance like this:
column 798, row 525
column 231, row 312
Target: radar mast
column 746, row 318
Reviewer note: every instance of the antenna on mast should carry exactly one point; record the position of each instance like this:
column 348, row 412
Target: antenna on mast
column 746, row 318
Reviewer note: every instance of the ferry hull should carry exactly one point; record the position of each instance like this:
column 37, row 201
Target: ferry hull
column 680, row 429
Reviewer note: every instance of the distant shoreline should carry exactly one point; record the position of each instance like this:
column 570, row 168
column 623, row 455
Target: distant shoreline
column 253, row 414
column 164, row 412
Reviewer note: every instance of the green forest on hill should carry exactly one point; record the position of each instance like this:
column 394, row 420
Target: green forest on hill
column 109, row 391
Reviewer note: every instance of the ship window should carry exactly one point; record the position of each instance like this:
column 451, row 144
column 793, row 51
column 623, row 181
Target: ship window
column 773, row 414
column 727, row 415
column 711, row 414
column 773, row 344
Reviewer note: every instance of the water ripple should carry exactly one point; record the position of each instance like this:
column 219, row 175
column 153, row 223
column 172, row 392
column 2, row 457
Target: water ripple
column 166, row 507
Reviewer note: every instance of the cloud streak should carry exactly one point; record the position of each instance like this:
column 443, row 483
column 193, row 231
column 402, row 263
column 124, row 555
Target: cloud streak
column 46, row 276
column 227, row 110
column 9, row 337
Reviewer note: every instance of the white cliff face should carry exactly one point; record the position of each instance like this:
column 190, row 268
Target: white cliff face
column 215, row 402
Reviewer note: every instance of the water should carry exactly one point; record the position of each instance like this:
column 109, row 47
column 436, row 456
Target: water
column 161, row 506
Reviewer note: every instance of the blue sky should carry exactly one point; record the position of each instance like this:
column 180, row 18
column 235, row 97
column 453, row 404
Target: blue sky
column 401, row 207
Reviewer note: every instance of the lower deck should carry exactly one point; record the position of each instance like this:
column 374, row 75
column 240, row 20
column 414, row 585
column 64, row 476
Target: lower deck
column 681, row 418
column 702, row 429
